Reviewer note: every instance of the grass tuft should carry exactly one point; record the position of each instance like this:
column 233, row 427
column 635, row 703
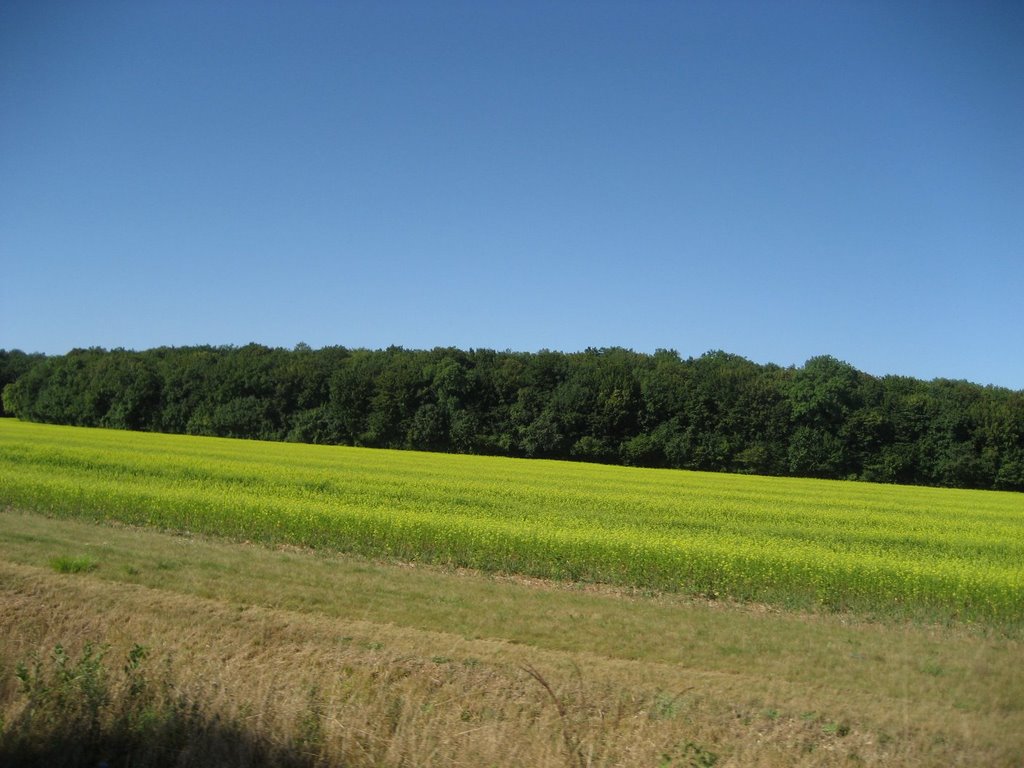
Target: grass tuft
column 73, row 564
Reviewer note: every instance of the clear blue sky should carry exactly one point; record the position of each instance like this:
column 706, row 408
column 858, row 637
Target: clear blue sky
column 775, row 179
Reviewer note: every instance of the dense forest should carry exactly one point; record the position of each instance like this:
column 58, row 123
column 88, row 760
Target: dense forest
column 718, row 412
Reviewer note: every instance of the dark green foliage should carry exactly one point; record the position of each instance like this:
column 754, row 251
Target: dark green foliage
column 718, row 412
column 13, row 365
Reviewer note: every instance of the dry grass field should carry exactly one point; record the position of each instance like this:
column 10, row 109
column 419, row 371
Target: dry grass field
column 184, row 650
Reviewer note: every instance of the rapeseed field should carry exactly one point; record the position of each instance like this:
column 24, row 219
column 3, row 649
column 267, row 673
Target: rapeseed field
column 936, row 553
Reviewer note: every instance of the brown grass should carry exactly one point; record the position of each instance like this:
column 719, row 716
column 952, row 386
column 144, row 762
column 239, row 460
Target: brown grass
column 345, row 662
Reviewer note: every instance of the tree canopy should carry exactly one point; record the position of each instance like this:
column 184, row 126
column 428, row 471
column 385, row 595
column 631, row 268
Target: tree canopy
column 717, row 412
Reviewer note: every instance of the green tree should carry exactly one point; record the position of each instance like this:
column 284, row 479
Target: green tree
column 822, row 395
column 13, row 365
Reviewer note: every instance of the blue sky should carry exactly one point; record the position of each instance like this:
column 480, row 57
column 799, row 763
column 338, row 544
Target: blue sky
column 778, row 180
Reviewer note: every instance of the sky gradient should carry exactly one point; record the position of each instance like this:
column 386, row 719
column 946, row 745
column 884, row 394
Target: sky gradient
column 776, row 180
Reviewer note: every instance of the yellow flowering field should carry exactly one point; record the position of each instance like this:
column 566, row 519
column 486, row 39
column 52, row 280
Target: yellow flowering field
column 938, row 553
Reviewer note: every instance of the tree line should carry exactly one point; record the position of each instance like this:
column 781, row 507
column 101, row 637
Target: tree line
column 717, row 412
